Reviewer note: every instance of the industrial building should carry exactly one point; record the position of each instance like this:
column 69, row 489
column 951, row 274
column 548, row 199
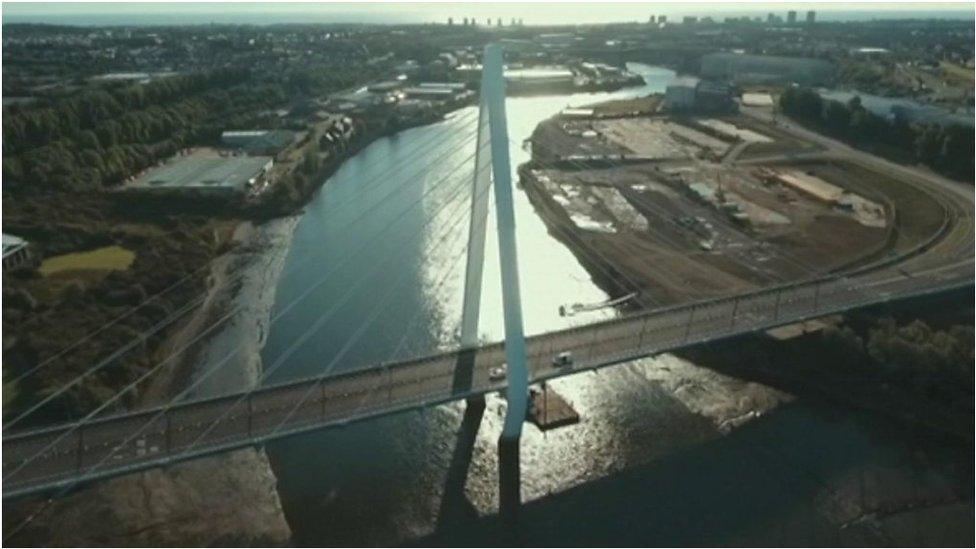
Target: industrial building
column 680, row 94
column 438, row 91
column 431, row 94
column 388, row 86
column 454, row 86
column 687, row 94
column 16, row 252
column 358, row 101
column 205, row 172
column 812, row 186
column 742, row 68
column 539, row 75
column 757, row 100
column 712, row 96
column 258, row 142
column 540, row 79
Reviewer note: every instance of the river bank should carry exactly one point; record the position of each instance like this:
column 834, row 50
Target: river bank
column 229, row 499
column 224, row 500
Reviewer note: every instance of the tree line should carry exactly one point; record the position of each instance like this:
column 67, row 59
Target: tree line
column 936, row 363
column 946, row 149
column 99, row 137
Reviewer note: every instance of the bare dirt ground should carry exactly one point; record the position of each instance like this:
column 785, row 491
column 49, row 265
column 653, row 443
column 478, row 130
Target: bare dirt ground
column 692, row 226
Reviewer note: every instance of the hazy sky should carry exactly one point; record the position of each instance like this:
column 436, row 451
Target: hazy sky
column 372, row 12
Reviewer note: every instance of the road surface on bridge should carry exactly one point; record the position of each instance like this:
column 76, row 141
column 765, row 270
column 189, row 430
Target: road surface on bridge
column 110, row 446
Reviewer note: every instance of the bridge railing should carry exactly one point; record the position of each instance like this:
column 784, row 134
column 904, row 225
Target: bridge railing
column 209, row 425
column 819, row 289
column 195, row 426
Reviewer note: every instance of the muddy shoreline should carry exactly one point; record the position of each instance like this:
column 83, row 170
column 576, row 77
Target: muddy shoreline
column 230, row 499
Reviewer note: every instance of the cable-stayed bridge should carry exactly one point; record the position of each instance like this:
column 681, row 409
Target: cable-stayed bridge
column 98, row 447
column 188, row 430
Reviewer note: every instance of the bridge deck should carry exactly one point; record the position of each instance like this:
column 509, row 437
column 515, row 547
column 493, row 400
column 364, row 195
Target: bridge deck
column 134, row 441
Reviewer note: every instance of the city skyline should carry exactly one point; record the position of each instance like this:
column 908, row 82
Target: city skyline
column 534, row 13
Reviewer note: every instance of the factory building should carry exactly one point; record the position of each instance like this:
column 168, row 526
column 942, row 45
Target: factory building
column 680, row 94
column 438, row 91
column 540, row 79
column 16, row 252
column 387, row 86
column 204, row 172
column 258, row 142
column 714, row 97
column 432, row 94
column 810, row 185
column 692, row 94
column 742, row 68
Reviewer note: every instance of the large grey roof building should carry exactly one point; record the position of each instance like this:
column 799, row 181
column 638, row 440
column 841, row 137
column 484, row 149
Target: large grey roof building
column 205, row 172
column 757, row 69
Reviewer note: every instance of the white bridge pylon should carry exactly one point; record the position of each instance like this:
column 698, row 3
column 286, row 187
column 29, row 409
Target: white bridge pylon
column 492, row 149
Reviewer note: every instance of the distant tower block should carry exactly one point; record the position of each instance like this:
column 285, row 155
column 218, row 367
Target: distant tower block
column 465, row 21
column 662, row 18
column 811, row 17
column 791, row 17
column 450, row 21
column 512, row 24
column 499, row 22
column 652, row 20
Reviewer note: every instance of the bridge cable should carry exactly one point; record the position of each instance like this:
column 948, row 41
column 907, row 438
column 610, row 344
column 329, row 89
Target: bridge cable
column 155, row 296
column 362, row 329
column 378, row 179
column 183, row 310
column 141, row 429
column 279, row 315
column 459, row 236
column 300, row 340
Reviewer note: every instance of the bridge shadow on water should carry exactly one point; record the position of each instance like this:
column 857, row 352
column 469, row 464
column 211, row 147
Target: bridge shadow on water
column 455, row 507
column 794, row 477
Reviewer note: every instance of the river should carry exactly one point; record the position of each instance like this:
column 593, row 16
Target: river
column 375, row 272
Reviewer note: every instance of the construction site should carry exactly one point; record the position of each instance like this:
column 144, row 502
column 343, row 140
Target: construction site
column 667, row 209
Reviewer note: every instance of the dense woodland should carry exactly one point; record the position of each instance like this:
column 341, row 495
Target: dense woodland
column 946, row 149
column 96, row 138
column 933, row 363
